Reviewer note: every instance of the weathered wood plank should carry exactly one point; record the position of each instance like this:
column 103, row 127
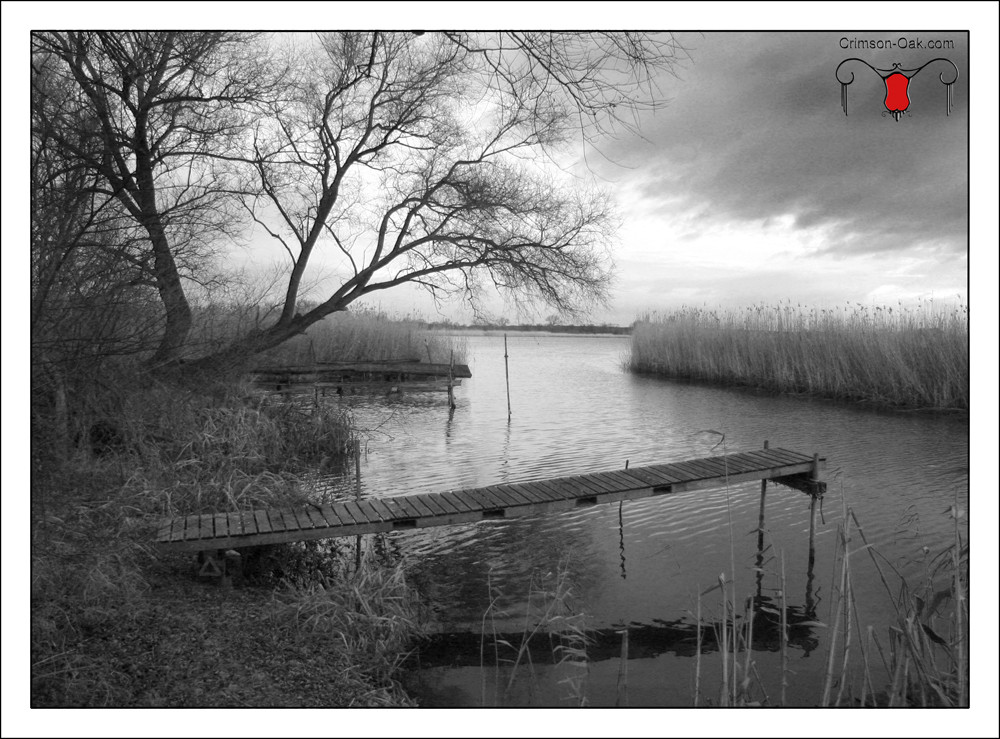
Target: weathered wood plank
column 221, row 524
column 510, row 497
column 433, row 502
column 402, row 507
column 263, row 524
column 705, row 472
column 369, row 510
column 446, row 504
column 529, row 492
column 589, row 485
column 649, row 477
column 623, row 480
column 462, row 499
column 355, row 510
column 383, row 510
column 420, row 505
column 487, row 498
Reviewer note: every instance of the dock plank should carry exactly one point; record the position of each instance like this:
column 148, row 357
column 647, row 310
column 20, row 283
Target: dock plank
column 263, row 524
column 383, row 510
column 360, row 515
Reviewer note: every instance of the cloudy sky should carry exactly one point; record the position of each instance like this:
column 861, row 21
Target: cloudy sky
column 752, row 185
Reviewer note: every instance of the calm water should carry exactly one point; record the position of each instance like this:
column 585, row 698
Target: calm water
column 575, row 410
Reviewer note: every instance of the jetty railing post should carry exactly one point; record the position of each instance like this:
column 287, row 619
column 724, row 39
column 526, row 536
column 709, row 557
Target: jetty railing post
column 357, row 496
column 506, row 372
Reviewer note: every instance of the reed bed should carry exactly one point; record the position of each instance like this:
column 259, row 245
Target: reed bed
column 912, row 357
column 368, row 335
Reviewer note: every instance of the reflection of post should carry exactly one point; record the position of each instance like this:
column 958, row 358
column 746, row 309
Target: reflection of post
column 760, row 534
column 357, row 496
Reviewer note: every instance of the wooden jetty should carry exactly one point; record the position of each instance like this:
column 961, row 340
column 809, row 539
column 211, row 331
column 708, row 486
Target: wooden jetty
column 221, row 531
column 349, row 373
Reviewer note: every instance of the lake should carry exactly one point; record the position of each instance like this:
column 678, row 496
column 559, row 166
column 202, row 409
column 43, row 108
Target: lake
column 641, row 566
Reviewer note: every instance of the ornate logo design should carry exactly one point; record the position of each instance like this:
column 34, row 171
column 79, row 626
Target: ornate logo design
column 897, row 81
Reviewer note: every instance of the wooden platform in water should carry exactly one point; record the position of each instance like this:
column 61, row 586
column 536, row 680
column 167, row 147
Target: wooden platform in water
column 380, row 514
column 340, row 373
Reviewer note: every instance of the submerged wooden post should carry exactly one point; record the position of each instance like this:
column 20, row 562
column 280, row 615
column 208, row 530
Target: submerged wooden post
column 506, row 372
column 357, row 496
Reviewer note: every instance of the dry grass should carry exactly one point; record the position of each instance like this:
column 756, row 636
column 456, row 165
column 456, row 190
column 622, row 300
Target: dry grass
column 113, row 624
column 897, row 356
column 367, row 335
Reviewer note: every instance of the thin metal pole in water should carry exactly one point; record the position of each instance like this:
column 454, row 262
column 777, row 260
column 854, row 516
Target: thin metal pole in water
column 506, row 371
column 357, row 496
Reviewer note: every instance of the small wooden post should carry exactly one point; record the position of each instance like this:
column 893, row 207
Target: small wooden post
column 357, row 496
column 427, row 346
column 451, row 382
column 506, row 371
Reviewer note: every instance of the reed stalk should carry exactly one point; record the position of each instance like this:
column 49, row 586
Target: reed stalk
column 697, row 654
column 724, row 693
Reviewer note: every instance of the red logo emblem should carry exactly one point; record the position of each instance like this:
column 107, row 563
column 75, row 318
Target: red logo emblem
column 896, row 101
column 897, row 80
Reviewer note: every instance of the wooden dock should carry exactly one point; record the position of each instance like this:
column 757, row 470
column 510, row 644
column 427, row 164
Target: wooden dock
column 221, row 531
column 349, row 373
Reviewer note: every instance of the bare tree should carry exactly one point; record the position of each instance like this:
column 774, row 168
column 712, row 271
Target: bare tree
column 433, row 160
column 430, row 159
column 164, row 109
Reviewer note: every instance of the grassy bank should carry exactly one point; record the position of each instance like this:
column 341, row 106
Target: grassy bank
column 895, row 356
column 116, row 624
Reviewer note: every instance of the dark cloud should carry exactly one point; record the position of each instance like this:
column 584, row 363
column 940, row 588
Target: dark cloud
column 756, row 131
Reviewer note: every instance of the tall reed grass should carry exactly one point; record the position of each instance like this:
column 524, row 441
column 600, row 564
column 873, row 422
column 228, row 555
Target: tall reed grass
column 915, row 357
column 368, row 335
column 552, row 614
column 922, row 653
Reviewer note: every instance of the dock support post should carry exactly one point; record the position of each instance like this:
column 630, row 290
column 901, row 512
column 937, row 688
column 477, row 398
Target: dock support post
column 357, row 496
column 815, row 496
column 760, row 533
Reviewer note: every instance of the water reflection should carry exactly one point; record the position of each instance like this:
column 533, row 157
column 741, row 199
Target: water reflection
column 678, row 637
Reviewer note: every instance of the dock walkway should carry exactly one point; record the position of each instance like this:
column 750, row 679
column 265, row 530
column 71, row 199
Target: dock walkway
column 380, row 514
